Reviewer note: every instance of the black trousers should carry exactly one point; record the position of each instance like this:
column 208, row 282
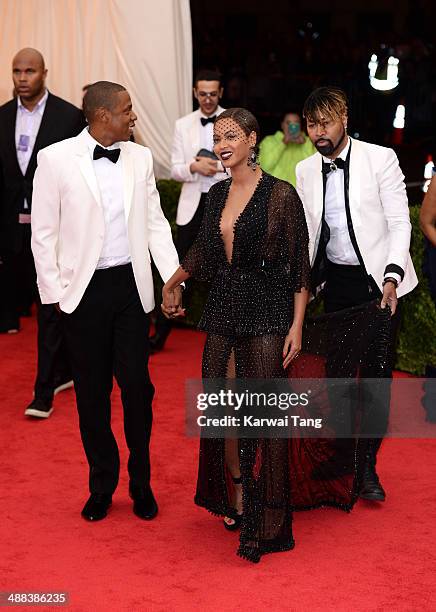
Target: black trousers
column 107, row 335
column 186, row 235
column 17, row 281
column 53, row 363
column 19, row 292
column 346, row 286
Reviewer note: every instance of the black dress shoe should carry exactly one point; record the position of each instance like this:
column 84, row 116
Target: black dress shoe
column 39, row 408
column 96, row 507
column 144, row 503
column 371, row 488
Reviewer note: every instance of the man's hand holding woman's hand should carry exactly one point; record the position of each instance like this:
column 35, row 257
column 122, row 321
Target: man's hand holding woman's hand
column 172, row 302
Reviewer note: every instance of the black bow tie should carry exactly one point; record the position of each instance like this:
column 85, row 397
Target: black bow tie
column 206, row 120
column 112, row 154
column 333, row 165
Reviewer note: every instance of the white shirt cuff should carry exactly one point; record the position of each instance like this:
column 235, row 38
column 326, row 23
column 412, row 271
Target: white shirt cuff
column 393, row 275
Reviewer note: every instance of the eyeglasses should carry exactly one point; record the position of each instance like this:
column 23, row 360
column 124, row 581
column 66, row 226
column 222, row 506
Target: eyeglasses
column 207, row 94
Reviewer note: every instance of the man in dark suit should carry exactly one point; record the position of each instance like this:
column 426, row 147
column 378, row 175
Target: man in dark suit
column 31, row 121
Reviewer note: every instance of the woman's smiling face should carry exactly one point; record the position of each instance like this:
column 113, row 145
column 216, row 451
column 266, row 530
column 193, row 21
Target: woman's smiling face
column 231, row 143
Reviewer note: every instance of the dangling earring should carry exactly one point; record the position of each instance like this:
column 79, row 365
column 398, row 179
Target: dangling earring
column 252, row 160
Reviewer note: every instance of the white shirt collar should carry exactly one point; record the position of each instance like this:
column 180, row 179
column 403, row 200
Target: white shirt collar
column 342, row 155
column 40, row 105
column 218, row 110
column 92, row 143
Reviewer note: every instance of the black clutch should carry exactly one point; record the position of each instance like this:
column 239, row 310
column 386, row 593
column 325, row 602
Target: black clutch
column 206, row 153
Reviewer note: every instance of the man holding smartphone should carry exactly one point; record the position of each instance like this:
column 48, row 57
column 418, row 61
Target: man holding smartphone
column 281, row 152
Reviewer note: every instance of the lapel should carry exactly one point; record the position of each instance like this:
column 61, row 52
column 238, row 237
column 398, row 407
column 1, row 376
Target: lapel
column 194, row 132
column 87, row 169
column 9, row 126
column 195, row 127
column 128, row 177
column 48, row 122
column 318, row 188
column 86, row 166
column 354, row 183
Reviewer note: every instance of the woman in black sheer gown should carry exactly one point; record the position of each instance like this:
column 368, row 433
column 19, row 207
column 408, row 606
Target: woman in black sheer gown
column 253, row 249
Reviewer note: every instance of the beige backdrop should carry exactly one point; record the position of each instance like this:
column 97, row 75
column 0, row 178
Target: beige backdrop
column 145, row 45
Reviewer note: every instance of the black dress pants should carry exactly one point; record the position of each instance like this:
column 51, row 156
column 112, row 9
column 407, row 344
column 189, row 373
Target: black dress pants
column 53, row 364
column 17, row 281
column 19, row 291
column 346, row 286
column 107, row 335
column 186, row 234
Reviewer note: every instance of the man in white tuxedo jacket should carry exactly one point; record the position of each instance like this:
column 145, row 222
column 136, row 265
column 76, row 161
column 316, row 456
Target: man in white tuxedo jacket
column 193, row 164
column 96, row 218
column 357, row 214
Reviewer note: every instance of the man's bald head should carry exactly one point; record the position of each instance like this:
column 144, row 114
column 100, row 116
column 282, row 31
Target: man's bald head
column 29, row 54
column 29, row 74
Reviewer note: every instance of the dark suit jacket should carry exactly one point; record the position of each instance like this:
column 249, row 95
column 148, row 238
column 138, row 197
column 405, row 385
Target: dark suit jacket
column 60, row 120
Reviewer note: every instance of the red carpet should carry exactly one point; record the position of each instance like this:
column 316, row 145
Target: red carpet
column 376, row 558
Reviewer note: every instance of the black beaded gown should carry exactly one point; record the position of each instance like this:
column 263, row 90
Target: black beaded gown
column 247, row 315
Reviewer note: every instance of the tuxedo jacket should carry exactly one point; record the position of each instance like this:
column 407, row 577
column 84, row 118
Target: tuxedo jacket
column 186, row 144
column 68, row 223
column 60, row 120
column 378, row 210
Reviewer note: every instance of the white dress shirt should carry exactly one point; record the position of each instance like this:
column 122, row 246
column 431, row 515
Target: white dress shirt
column 26, row 130
column 27, row 126
column 339, row 249
column 115, row 250
column 206, row 142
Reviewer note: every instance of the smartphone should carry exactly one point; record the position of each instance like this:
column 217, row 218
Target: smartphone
column 294, row 128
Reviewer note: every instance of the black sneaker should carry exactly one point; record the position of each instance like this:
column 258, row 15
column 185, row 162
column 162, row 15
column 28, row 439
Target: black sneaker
column 10, row 329
column 39, row 408
column 61, row 384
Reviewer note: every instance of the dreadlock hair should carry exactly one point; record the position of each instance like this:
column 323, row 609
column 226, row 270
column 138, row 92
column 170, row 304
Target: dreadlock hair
column 328, row 102
column 246, row 121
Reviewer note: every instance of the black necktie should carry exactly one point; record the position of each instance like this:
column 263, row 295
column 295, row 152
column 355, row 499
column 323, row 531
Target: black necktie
column 206, row 120
column 112, row 154
column 333, row 165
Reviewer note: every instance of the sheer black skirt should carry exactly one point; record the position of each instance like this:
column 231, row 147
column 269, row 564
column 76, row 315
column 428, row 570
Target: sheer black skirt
column 280, row 476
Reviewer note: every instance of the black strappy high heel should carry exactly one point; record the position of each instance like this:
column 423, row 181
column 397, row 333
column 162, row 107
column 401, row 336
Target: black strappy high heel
column 234, row 516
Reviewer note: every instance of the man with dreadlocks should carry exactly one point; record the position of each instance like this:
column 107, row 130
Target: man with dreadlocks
column 357, row 213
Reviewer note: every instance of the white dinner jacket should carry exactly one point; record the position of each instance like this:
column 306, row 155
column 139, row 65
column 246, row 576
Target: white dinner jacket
column 186, row 144
column 378, row 207
column 68, row 223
